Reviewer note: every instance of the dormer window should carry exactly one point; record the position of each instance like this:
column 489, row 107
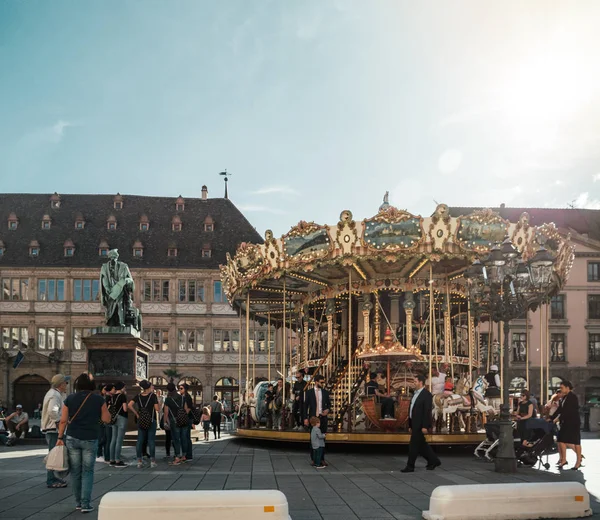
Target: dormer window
column 69, row 248
column 103, row 248
column 111, row 223
column 46, row 222
column 180, row 204
column 176, row 223
column 55, row 201
column 1, row 249
column 138, row 249
column 209, row 224
column 118, row 201
column 206, row 251
column 34, row 248
column 13, row 222
column 144, row 223
column 172, row 251
column 79, row 222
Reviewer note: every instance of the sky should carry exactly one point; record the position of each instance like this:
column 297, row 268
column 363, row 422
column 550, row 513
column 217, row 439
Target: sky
column 313, row 106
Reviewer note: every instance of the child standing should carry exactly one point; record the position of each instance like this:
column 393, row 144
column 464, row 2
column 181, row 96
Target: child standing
column 317, row 441
column 205, row 419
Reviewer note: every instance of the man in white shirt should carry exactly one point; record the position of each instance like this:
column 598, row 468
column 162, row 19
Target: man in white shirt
column 18, row 423
column 438, row 378
column 51, row 412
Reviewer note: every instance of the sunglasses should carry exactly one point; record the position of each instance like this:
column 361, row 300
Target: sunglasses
column 181, row 388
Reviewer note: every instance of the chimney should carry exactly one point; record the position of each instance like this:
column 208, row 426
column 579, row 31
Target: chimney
column 502, row 206
column 204, row 192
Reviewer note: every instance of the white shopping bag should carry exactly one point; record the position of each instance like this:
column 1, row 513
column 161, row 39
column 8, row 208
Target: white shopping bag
column 57, row 459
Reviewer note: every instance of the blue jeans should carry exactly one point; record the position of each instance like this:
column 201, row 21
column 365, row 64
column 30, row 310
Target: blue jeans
column 107, row 442
column 148, row 435
column 177, row 434
column 51, row 438
column 189, row 448
column 318, row 456
column 118, row 434
column 82, row 459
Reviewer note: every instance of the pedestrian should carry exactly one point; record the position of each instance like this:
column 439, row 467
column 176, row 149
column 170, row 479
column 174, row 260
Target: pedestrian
column 162, row 398
column 419, row 424
column 277, row 405
column 525, row 412
column 80, row 422
column 569, row 435
column 216, row 408
column 107, row 391
column 51, row 413
column 297, row 408
column 205, row 419
column 176, row 416
column 317, row 403
column 17, row 424
column 269, row 397
column 189, row 452
column 317, row 441
column 492, row 392
column 119, row 417
column 145, row 408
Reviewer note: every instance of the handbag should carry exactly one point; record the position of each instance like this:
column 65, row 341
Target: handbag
column 113, row 409
column 145, row 417
column 57, row 459
column 197, row 415
column 181, row 418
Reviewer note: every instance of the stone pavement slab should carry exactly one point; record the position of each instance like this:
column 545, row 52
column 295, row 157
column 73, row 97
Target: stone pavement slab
column 359, row 482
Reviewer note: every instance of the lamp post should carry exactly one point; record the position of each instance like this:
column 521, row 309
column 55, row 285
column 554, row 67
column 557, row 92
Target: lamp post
column 505, row 286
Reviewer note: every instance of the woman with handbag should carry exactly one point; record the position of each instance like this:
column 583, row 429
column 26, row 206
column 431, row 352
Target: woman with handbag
column 176, row 418
column 145, row 408
column 119, row 418
column 81, row 416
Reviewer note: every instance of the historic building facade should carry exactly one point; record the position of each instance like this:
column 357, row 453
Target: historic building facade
column 51, row 250
column 561, row 340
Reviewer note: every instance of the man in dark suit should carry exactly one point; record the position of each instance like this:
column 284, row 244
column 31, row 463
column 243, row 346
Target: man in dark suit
column 419, row 424
column 317, row 404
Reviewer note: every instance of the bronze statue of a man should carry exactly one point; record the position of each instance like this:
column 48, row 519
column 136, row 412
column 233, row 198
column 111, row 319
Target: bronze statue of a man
column 116, row 294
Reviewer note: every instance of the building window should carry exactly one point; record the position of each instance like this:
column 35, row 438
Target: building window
column 144, row 226
column 1, row 249
column 206, row 253
column 46, row 224
column 557, row 307
column 79, row 224
column 227, row 389
column 519, row 347
column 218, row 292
column 594, row 347
column 50, row 289
column 111, row 223
column 34, row 251
column 191, row 291
column 557, row 348
column 51, row 338
column 180, row 207
column 594, row 306
column 158, row 338
column 14, row 337
column 138, row 252
column 226, row 340
column 191, row 340
column 156, row 290
column 86, row 290
column 78, row 335
column 14, row 289
column 103, row 251
column 593, row 271
column 69, row 251
column 172, row 251
column 209, row 227
column 12, row 225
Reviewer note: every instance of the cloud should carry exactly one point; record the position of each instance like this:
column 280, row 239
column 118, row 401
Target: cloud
column 596, row 177
column 584, row 202
column 271, row 190
column 450, row 161
column 58, row 129
column 260, row 209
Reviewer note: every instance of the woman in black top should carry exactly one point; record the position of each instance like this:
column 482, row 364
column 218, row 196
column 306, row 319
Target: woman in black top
column 215, row 416
column 82, row 413
column 119, row 424
column 145, row 408
column 525, row 411
column 569, row 435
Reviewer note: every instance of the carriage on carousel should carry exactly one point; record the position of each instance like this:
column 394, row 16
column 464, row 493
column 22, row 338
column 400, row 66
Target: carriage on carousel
column 388, row 295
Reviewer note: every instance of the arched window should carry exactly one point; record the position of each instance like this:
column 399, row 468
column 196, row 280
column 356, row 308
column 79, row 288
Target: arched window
column 554, row 384
column 160, row 383
column 228, row 391
column 195, row 389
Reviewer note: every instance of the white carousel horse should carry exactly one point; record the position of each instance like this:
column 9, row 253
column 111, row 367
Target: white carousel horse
column 449, row 404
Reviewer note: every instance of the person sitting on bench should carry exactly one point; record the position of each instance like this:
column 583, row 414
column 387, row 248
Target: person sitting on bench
column 18, row 422
column 387, row 402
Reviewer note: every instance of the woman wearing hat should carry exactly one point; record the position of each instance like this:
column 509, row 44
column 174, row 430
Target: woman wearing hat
column 493, row 390
column 145, row 408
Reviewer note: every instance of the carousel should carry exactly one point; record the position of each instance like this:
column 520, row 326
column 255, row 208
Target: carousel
column 389, row 296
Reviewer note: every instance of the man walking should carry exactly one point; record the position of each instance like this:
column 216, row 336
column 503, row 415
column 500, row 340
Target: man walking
column 419, row 423
column 51, row 411
column 317, row 404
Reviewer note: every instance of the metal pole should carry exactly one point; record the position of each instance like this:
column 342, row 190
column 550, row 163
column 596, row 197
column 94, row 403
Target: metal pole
column 349, row 340
column 541, row 355
column 547, row 353
column 268, row 346
column 431, row 318
column 283, row 372
column 502, row 378
column 239, row 360
column 254, row 355
column 247, row 343
column 527, row 349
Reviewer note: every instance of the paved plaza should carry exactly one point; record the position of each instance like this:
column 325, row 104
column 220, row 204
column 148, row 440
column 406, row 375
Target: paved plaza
column 359, row 482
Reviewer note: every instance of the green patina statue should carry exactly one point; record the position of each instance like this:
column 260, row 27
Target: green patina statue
column 116, row 294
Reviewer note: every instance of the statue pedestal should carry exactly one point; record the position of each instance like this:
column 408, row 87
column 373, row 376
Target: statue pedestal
column 115, row 355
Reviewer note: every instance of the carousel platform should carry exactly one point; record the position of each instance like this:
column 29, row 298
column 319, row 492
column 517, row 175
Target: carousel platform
column 361, row 437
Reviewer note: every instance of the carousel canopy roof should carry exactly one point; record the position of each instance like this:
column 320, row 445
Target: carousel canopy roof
column 394, row 250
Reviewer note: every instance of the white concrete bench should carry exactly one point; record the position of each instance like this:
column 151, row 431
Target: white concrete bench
column 519, row 501
column 188, row 505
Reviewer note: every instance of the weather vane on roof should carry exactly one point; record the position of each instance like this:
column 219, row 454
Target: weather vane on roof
column 225, row 175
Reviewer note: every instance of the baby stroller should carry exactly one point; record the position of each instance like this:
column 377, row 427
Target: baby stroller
column 542, row 444
column 487, row 448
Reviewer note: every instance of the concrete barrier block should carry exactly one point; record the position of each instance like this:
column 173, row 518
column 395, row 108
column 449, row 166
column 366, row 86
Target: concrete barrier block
column 519, row 501
column 191, row 505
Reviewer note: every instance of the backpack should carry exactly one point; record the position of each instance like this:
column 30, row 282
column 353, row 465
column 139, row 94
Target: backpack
column 197, row 415
column 181, row 417
column 113, row 409
column 145, row 416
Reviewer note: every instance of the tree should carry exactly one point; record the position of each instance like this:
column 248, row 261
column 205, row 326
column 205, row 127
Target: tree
column 172, row 374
